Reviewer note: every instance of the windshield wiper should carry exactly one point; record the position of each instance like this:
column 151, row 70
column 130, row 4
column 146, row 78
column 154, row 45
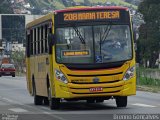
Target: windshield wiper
column 103, row 38
column 79, row 35
column 105, row 35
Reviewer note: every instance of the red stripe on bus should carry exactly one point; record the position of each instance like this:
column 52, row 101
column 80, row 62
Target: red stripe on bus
column 92, row 8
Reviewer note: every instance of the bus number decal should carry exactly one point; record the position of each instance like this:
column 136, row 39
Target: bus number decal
column 91, row 15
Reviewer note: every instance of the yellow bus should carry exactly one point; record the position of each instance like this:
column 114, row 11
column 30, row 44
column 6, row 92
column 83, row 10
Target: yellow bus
column 84, row 53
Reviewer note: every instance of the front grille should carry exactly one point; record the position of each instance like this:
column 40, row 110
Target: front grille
column 95, row 82
column 95, row 75
column 106, row 88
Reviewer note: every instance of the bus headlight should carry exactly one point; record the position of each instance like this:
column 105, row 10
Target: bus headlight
column 60, row 76
column 129, row 74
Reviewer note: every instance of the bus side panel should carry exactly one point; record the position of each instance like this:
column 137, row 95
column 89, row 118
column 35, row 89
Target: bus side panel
column 52, row 63
column 41, row 62
column 31, row 69
column 28, row 76
column 41, row 69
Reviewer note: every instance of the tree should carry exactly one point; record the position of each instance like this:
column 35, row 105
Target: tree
column 87, row 3
column 5, row 7
column 18, row 58
column 149, row 39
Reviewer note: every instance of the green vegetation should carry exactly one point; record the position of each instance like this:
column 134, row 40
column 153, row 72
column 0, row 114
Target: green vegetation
column 149, row 81
column 117, row 2
column 149, row 39
column 18, row 58
column 145, row 82
column 58, row 4
column 5, row 7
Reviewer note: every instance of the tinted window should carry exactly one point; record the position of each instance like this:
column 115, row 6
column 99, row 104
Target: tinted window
column 7, row 66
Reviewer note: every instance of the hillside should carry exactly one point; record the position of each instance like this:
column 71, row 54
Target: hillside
column 134, row 2
column 116, row 2
column 44, row 6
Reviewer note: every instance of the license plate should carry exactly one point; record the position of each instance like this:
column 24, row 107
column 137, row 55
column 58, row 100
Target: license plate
column 7, row 72
column 96, row 89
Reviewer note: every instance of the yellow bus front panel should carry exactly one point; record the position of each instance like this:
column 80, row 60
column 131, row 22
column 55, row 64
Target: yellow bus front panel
column 81, row 84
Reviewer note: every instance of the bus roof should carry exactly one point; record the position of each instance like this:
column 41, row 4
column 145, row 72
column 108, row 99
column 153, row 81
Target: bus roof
column 39, row 20
column 92, row 8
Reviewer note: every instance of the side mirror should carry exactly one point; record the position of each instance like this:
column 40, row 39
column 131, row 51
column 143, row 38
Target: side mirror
column 50, row 42
column 50, row 39
column 135, row 46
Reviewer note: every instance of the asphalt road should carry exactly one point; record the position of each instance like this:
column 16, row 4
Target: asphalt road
column 17, row 104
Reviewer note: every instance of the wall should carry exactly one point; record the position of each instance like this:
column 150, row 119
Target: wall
column 155, row 74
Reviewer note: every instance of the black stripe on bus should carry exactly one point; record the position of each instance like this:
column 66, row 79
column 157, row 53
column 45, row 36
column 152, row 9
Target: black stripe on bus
column 95, row 75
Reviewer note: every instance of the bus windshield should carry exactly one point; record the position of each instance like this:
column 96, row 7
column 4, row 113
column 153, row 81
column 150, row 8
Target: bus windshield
column 102, row 44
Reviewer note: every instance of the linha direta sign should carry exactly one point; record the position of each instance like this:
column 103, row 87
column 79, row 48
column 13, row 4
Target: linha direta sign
column 76, row 53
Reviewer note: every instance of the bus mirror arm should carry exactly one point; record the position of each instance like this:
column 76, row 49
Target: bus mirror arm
column 135, row 40
column 50, row 42
column 135, row 46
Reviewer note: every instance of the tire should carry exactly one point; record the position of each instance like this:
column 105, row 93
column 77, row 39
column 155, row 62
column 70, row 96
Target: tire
column 99, row 101
column 54, row 103
column 38, row 100
column 46, row 101
column 13, row 75
column 121, row 101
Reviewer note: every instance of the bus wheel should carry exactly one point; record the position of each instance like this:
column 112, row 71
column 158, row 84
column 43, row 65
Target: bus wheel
column 99, row 101
column 54, row 103
column 46, row 101
column 13, row 75
column 121, row 101
column 37, row 99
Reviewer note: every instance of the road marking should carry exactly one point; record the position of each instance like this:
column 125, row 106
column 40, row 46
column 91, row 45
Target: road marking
column 11, row 89
column 55, row 116
column 11, row 101
column 8, row 100
column 45, row 108
column 143, row 105
column 47, row 113
column 18, row 110
column 58, row 117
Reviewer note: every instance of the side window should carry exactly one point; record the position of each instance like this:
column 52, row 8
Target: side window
column 38, row 40
column 31, row 42
column 46, row 38
column 28, row 42
column 34, row 41
column 42, row 39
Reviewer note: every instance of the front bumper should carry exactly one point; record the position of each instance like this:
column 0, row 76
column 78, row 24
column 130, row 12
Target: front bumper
column 7, row 73
column 117, row 88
